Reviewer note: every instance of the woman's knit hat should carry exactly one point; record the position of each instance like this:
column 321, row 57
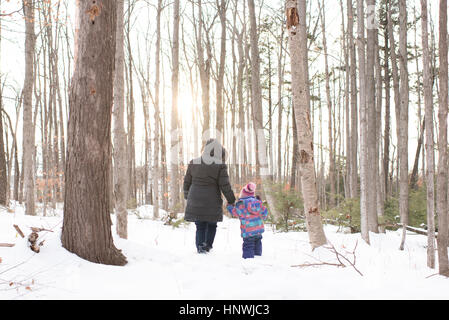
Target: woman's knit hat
column 248, row 190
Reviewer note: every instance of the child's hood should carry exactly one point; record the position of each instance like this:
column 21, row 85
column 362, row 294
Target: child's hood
column 254, row 203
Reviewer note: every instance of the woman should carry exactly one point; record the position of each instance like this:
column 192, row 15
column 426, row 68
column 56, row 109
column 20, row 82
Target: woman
column 206, row 178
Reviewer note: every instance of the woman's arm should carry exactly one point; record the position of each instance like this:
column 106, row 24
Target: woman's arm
column 225, row 185
column 187, row 181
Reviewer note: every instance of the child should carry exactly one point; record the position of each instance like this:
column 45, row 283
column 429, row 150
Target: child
column 251, row 212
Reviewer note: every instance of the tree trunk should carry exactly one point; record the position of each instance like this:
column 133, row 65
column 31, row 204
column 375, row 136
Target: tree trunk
column 28, row 133
column 430, row 153
column 353, row 180
column 157, row 127
column 256, row 93
column 204, row 68
column 176, row 140
column 295, row 156
column 281, row 70
column 221, row 7
column 241, row 122
column 4, row 187
column 346, row 176
column 387, row 78
column 370, row 114
column 86, row 229
column 131, row 147
column 329, row 108
column 120, row 161
column 403, row 120
column 379, row 196
column 297, row 31
column 364, row 206
column 442, row 183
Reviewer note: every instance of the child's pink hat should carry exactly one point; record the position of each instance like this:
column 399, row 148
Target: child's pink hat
column 248, row 190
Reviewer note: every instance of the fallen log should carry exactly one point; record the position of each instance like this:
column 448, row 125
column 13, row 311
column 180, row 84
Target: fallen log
column 417, row 230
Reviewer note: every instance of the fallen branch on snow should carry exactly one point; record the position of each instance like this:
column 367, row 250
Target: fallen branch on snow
column 7, row 245
column 32, row 238
column 19, row 231
column 340, row 258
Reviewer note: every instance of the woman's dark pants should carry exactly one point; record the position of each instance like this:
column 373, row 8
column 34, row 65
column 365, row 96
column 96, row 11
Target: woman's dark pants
column 205, row 235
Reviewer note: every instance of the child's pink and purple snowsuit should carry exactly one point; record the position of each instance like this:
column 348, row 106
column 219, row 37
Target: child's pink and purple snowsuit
column 251, row 213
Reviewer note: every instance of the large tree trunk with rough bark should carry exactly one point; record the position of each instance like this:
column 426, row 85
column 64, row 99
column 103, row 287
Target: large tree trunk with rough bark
column 297, row 32
column 120, row 160
column 28, row 132
column 86, row 229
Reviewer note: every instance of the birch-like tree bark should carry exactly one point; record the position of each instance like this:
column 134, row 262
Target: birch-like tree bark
column 297, row 32
column 86, row 229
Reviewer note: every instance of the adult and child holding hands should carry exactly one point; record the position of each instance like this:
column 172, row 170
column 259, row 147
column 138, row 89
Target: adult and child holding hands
column 205, row 180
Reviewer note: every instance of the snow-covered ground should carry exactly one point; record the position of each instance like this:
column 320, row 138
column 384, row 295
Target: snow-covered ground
column 163, row 264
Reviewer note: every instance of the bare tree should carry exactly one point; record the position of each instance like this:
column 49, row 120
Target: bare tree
column 157, row 128
column 364, row 208
column 4, row 186
column 296, row 26
column 329, row 108
column 28, row 132
column 221, row 8
column 402, row 121
column 256, row 90
column 442, row 183
column 120, row 162
column 370, row 116
column 430, row 154
column 353, row 180
column 176, row 139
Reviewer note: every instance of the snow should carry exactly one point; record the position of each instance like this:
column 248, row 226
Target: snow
column 163, row 264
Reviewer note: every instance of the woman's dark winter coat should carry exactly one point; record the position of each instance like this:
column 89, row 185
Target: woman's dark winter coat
column 203, row 185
